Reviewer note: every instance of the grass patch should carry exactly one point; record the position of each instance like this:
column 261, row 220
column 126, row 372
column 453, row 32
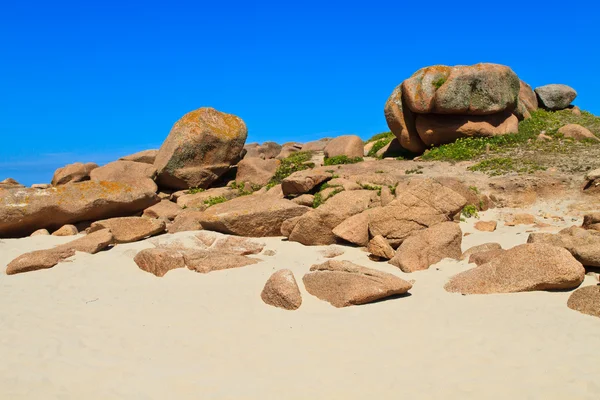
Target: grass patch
column 501, row 166
column 211, row 201
column 379, row 136
column 195, row 190
column 380, row 144
column 417, row 170
column 439, row 82
column 469, row 211
column 318, row 198
column 338, row 160
column 295, row 162
column 368, row 186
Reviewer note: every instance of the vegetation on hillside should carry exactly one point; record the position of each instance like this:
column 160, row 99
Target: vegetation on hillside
column 337, row 160
column 298, row 161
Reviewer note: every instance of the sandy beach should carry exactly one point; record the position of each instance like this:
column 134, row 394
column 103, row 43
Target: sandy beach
column 98, row 327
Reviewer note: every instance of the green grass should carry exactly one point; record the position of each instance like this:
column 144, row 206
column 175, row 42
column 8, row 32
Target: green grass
column 469, row 211
column 318, row 198
column 211, row 201
column 417, row 170
column 383, row 135
column 503, row 165
column 195, row 190
column 241, row 188
column 380, row 144
column 439, row 82
column 294, row 163
column 474, row 189
column 393, row 188
column 338, row 160
column 368, row 186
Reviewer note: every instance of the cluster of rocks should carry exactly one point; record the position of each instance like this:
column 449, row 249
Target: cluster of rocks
column 440, row 104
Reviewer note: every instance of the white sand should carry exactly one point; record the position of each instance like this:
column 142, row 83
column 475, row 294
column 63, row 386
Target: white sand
column 100, row 328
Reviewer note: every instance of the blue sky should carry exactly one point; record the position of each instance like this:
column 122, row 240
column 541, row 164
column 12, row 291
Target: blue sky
column 92, row 81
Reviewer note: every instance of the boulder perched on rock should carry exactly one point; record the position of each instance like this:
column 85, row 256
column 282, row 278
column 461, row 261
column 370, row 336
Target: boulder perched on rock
column 266, row 151
column 129, row 229
column 523, row 268
column 436, row 129
column 281, row 290
column 577, row 132
column 586, row 300
column 43, row 259
column 555, row 97
column 159, row 261
column 165, row 209
column 380, row 248
column 132, row 172
column 76, row 172
column 256, row 171
column 429, row 246
column 23, row 211
column 583, row 244
column 342, row 283
column 301, row 182
column 200, row 148
column 349, row 145
column 256, row 216
column 146, row 157
column 480, row 89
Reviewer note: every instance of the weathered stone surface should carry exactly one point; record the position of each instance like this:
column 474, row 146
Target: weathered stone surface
column 48, row 258
column 10, row 183
column 198, row 200
column 66, row 230
column 316, row 226
column 165, row 209
column 301, row 182
column 129, row 229
column 347, row 145
column 430, row 192
column 429, row 246
column 256, row 216
column 159, row 261
column 304, row 200
column 266, row 151
column 592, row 221
column 237, row 245
column 386, row 196
column 331, row 251
column 288, row 149
column 256, row 171
column 392, row 149
column 436, row 129
column 480, row 248
column 317, row 145
column 586, row 300
column 484, row 257
column 139, row 174
column 354, row 229
column 555, row 97
column 528, row 101
column 187, row 220
column 40, row 232
column 486, row 226
column 577, row 132
column 583, row 244
column 480, row 89
column 401, row 122
column 281, row 290
column 23, row 211
column 380, row 248
column 146, row 157
column 520, row 219
column 76, row 172
column 523, row 268
column 205, row 261
column 41, row 186
column 199, row 149
column 342, row 283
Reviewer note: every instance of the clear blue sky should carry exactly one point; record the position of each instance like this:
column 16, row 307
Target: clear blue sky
column 94, row 80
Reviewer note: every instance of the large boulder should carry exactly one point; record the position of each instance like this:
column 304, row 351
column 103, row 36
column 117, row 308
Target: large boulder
column 401, row 122
column 146, row 157
column 200, row 148
column 481, row 89
column 256, row 171
column 555, row 97
column 583, row 244
column 437, row 129
column 257, row 216
column 76, row 172
column 528, row 101
column 129, row 229
column 429, row 246
column 187, row 220
column 281, row 290
column 586, row 300
column 354, row 229
column 523, row 268
column 132, row 172
column 266, row 151
column 437, row 194
column 43, row 259
column 577, row 132
column 348, row 145
column 303, row 181
column 342, row 283
column 23, row 211
column 165, row 210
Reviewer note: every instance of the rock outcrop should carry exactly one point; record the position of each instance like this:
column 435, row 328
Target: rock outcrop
column 583, row 244
column 555, row 97
column 146, row 157
column 139, row 174
column 523, row 268
column 129, row 229
column 342, row 283
column 77, row 172
column 256, row 171
column 23, row 211
column 348, row 145
column 200, row 148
